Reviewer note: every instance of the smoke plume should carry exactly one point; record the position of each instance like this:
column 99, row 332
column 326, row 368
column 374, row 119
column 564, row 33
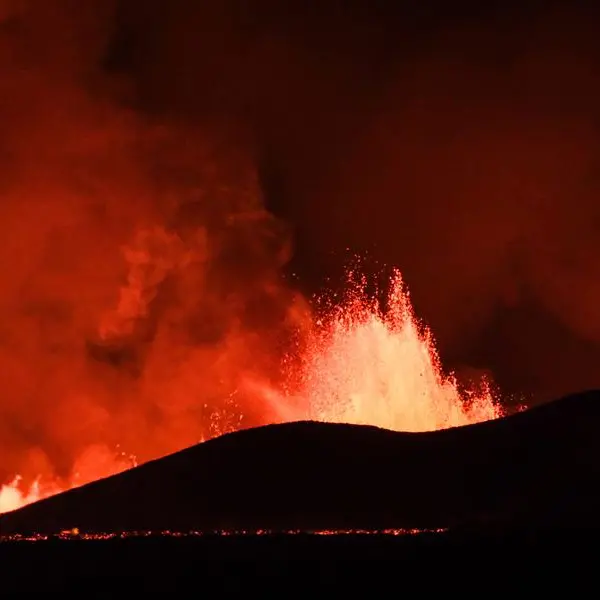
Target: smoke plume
column 457, row 144
column 141, row 272
column 146, row 147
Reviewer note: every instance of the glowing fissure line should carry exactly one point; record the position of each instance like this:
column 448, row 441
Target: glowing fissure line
column 76, row 535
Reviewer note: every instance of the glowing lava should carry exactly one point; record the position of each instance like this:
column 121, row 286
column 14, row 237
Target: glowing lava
column 380, row 367
column 96, row 463
column 362, row 364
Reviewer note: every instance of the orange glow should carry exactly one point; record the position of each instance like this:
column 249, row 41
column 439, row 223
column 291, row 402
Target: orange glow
column 75, row 534
column 358, row 363
column 369, row 366
column 96, row 463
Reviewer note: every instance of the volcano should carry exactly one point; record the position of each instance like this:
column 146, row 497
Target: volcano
column 535, row 468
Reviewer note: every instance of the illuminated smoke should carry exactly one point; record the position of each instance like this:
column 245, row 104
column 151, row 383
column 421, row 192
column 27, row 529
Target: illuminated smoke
column 142, row 291
column 141, row 273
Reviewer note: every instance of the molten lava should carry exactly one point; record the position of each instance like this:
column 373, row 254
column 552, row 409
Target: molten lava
column 362, row 363
column 367, row 365
column 96, row 463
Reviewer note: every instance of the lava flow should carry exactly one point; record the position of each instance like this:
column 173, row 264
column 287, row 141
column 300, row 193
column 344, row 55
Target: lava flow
column 362, row 364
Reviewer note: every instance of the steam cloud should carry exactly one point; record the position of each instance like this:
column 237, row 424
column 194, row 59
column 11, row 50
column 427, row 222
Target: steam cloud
column 142, row 273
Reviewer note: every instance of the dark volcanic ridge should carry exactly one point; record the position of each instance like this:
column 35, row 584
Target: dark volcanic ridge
column 536, row 468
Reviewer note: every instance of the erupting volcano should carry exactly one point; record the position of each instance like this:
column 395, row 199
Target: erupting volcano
column 359, row 362
column 271, row 269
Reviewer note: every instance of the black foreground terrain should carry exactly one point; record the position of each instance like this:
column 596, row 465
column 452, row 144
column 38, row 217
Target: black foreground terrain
column 530, row 480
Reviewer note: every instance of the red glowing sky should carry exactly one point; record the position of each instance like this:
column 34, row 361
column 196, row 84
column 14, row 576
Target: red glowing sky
column 179, row 179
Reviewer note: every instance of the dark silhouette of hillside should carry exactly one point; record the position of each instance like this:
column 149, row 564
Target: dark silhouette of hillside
column 537, row 468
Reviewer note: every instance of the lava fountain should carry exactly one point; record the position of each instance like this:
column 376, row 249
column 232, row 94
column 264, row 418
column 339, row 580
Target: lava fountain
column 366, row 364
column 362, row 363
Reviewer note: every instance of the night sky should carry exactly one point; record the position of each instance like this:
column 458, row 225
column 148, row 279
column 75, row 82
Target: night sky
column 457, row 141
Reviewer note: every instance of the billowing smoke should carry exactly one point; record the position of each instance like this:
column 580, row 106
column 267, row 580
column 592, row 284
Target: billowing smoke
column 143, row 276
column 461, row 148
